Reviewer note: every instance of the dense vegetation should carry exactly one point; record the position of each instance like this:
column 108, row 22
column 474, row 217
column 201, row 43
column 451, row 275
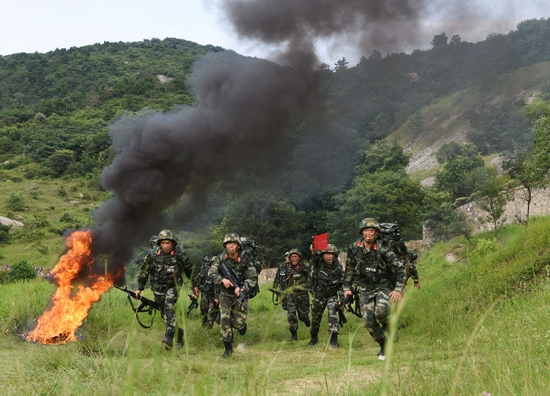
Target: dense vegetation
column 55, row 109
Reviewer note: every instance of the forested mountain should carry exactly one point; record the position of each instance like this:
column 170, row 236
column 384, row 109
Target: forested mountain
column 334, row 167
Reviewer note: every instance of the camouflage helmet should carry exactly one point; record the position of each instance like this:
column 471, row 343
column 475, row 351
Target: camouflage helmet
column 295, row 251
column 331, row 249
column 368, row 223
column 231, row 237
column 167, row 235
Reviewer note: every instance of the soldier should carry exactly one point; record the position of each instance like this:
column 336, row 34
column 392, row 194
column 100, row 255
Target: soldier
column 209, row 298
column 280, row 279
column 232, row 309
column 326, row 275
column 371, row 266
column 409, row 259
column 297, row 284
column 165, row 265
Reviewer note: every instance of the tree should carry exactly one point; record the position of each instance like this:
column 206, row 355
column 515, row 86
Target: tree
column 493, row 196
column 342, row 64
column 442, row 218
column 439, row 41
column 455, row 40
column 458, row 175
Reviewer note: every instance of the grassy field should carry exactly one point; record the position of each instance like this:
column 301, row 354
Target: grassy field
column 477, row 325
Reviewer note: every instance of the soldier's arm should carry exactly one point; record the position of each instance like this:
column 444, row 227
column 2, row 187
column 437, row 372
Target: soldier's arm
column 276, row 279
column 397, row 265
column 250, row 277
column 214, row 271
column 349, row 272
column 144, row 272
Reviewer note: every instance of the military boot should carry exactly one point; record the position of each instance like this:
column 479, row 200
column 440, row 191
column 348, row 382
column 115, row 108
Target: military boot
column 179, row 345
column 168, row 338
column 293, row 335
column 228, row 349
column 314, row 340
column 334, row 340
column 381, row 355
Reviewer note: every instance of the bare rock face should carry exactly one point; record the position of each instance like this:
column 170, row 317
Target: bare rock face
column 9, row 222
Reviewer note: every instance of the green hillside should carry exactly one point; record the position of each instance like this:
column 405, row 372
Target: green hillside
column 478, row 324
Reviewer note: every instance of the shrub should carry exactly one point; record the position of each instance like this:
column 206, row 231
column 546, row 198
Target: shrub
column 15, row 202
column 21, row 271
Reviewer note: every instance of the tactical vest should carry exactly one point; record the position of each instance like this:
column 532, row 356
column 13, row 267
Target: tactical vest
column 283, row 272
column 166, row 271
column 370, row 266
column 296, row 275
column 206, row 285
column 327, row 282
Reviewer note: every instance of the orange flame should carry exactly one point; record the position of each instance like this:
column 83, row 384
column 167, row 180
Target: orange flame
column 58, row 324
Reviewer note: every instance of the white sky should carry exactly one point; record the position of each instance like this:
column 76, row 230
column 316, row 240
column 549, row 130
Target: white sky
column 42, row 26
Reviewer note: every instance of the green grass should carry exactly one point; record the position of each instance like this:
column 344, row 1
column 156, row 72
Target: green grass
column 477, row 325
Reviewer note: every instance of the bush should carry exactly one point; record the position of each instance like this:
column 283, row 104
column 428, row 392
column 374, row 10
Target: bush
column 21, row 271
column 15, row 203
column 4, row 233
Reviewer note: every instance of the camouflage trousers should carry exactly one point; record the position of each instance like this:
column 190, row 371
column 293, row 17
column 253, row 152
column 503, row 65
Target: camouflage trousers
column 318, row 306
column 167, row 305
column 297, row 303
column 375, row 309
column 232, row 315
column 209, row 310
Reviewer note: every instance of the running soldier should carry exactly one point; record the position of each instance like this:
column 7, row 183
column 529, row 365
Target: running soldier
column 165, row 265
column 327, row 275
column 297, row 284
column 372, row 266
column 233, row 309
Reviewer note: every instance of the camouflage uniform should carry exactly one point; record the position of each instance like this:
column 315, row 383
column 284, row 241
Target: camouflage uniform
column 165, row 271
column 372, row 271
column 280, row 281
column 233, row 312
column 297, row 284
column 326, row 283
column 208, row 306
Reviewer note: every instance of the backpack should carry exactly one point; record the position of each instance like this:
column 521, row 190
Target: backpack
column 251, row 248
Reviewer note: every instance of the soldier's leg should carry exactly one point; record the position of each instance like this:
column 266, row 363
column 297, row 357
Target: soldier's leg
column 302, row 306
column 291, row 316
column 333, row 321
column 226, row 332
column 367, row 302
column 382, row 309
column 317, row 308
column 204, row 305
column 171, row 297
column 238, row 318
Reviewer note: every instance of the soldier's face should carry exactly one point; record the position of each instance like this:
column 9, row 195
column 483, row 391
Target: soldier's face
column 369, row 234
column 232, row 248
column 166, row 245
column 294, row 258
column 328, row 257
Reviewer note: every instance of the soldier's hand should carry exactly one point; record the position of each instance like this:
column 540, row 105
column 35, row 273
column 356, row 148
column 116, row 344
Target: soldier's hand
column 349, row 293
column 395, row 296
column 313, row 250
column 226, row 283
column 237, row 291
column 196, row 291
column 417, row 285
column 137, row 293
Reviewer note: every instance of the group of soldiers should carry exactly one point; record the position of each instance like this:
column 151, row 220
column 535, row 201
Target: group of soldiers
column 375, row 275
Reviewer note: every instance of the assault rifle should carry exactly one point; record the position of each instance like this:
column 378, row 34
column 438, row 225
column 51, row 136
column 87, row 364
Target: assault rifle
column 229, row 273
column 341, row 304
column 193, row 304
column 277, row 296
column 146, row 305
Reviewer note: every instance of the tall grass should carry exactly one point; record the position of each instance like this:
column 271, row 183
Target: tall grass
column 477, row 325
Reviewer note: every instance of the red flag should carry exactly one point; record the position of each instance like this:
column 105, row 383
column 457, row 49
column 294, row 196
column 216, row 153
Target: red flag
column 320, row 242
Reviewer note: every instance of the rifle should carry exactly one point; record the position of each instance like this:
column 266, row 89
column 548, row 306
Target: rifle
column 146, row 305
column 193, row 304
column 276, row 296
column 229, row 273
column 341, row 304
